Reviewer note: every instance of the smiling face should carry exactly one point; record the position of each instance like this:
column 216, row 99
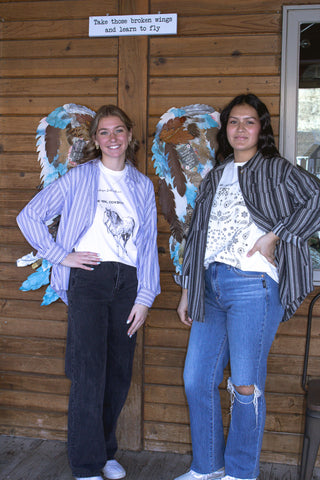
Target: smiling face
column 113, row 138
column 243, row 129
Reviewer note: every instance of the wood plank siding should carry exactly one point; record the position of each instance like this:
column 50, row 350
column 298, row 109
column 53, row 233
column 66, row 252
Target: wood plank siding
column 47, row 59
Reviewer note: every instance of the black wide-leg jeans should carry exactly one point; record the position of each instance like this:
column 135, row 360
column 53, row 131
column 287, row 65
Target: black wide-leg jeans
column 99, row 359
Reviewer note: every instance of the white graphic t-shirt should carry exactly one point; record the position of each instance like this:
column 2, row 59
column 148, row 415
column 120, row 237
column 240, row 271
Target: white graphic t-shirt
column 231, row 231
column 113, row 231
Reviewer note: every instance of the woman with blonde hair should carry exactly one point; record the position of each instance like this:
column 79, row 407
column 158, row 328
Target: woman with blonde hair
column 105, row 267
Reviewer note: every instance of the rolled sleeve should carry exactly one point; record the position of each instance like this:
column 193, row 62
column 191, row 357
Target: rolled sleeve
column 46, row 205
column 304, row 189
column 148, row 270
column 181, row 280
column 145, row 297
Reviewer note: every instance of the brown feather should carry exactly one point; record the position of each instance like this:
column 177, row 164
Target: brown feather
column 202, row 150
column 52, row 140
column 212, row 137
column 194, row 130
column 84, row 119
column 64, row 147
column 174, row 132
column 167, row 203
column 179, row 180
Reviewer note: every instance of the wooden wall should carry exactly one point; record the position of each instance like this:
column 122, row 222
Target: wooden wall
column 47, row 60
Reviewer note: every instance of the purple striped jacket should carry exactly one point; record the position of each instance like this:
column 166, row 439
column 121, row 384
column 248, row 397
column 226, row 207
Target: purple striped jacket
column 74, row 197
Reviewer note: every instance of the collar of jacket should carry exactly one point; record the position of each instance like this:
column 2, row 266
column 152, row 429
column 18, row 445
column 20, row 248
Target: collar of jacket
column 249, row 164
column 217, row 171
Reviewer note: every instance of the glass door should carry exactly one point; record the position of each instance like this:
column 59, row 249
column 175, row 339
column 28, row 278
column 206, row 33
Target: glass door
column 300, row 97
column 308, row 113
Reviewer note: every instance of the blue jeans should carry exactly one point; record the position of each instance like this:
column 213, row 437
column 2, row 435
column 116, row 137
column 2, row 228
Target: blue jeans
column 242, row 314
column 99, row 361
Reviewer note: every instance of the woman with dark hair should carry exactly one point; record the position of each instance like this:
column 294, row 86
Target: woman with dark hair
column 105, row 267
column 266, row 143
column 246, row 268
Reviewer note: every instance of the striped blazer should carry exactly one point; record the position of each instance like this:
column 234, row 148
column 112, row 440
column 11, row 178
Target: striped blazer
column 74, row 197
column 280, row 197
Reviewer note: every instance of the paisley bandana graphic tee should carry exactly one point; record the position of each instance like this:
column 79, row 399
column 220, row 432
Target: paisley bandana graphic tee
column 232, row 232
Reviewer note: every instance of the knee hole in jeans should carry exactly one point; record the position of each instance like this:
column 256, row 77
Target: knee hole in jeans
column 244, row 389
column 233, row 390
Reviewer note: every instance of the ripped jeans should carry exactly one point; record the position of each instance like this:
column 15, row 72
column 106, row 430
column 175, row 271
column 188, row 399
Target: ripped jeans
column 242, row 314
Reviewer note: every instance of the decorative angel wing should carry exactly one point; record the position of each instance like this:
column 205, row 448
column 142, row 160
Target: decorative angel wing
column 61, row 137
column 183, row 153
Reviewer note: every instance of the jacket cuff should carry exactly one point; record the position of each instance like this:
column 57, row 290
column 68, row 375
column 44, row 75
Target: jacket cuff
column 55, row 255
column 285, row 235
column 145, row 297
column 181, row 280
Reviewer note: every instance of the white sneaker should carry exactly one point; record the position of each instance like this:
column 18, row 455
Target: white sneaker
column 88, row 478
column 113, row 470
column 191, row 475
column 227, row 477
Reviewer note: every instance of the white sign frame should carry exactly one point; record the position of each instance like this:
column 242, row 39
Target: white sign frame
column 124, row 25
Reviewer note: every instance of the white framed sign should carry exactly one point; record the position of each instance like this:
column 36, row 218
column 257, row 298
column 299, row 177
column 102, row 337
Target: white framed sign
column 121, row 25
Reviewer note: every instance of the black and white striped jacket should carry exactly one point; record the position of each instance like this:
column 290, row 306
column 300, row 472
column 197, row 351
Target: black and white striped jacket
column 280, row 197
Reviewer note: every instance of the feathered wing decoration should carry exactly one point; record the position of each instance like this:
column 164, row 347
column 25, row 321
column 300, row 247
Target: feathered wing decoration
column 61, row 137
column 183, row 153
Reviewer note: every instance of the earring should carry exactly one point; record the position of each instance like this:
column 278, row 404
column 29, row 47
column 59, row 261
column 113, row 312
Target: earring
column 97, row 145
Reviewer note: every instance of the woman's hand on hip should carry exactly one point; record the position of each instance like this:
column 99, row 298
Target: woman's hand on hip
column 266, row 245
column 183, row 308
column 137, row 317
column 81, row 260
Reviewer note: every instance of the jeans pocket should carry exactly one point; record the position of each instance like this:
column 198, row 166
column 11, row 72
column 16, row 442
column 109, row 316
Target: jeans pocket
column 246, row 273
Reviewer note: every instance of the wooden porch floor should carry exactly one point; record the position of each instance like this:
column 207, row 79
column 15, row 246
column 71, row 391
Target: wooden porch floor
column 35, row 459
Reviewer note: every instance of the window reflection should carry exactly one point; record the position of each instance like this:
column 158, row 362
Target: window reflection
column 308, row 122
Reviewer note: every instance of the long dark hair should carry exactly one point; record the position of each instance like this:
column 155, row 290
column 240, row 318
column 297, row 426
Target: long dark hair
column 90, row 151
column 266, row 143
